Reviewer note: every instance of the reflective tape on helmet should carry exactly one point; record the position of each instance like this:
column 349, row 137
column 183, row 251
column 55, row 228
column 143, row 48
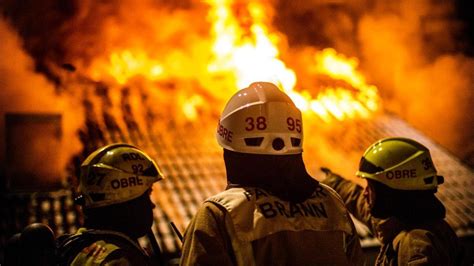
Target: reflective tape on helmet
column 261, row 119
column 399, row 163
column 116, row 173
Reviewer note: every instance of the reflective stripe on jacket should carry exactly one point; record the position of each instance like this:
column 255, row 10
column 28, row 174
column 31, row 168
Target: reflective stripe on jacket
column 97, row 253
column 99, row 247
column 248, row 226
column 431, row 242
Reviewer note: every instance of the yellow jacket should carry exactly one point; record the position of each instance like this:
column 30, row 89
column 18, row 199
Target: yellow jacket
column 248, row 226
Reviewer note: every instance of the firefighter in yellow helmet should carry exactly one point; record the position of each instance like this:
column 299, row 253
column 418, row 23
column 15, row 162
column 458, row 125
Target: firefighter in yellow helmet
column 115, row 186
column 399, row 204
column 272, row 211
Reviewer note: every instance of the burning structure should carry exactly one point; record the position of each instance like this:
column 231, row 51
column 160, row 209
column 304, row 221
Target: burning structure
column 157, row 73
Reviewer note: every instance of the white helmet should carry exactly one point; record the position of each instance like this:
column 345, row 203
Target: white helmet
column 261, row 119
column 116, row 173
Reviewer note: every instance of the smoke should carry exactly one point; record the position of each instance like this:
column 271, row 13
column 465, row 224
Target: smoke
column 411, row 51
column 415, row 52
column 24, row 91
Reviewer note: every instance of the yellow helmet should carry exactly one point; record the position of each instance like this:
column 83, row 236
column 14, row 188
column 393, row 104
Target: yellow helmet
column 261, row 119
column 399, row 163
column 116, row 173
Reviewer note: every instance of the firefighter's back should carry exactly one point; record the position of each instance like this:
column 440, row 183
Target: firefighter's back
column 261, row 229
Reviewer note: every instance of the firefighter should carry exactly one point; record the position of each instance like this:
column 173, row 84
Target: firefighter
column 115, row 186
column 272, row 211
column 399, row 204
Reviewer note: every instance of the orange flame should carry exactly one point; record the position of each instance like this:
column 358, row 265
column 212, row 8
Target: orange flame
column 190, row 106
column 341, row 103
column 126, row 64
column 244, row 50
column 247, row 54
column 254, row 57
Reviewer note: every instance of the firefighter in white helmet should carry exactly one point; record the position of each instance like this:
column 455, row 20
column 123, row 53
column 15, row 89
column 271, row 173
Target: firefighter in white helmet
column 399, row 204
column 272, row 212
column 115, row 186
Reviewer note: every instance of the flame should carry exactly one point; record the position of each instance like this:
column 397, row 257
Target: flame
column 244, row 49
column 124, row 65
column 190, row 106
column 253, row 56
column 340, row 67
column 340, row 102
column 247, row 54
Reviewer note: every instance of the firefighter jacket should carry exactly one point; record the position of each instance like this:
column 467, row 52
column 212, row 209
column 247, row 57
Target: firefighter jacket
column 99, row 247
column 431, row 242
column 248, row 226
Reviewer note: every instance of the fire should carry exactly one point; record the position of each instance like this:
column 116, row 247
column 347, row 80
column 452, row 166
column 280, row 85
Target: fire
column 244, row 49
column 340, row 67
column 124, row 65
column 190, row 106
column 248, row 54
column 253, row 55
column 339, row 102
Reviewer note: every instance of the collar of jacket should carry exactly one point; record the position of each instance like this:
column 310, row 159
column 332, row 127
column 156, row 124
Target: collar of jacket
column 389, row 228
